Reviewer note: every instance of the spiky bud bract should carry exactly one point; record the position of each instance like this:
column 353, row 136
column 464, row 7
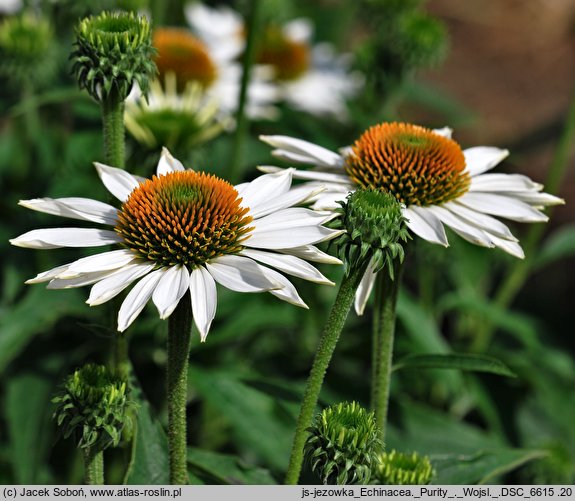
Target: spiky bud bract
column 344, row 444
column 399, row 468
column 113, row 51
column 375, row 229
column 92, row 407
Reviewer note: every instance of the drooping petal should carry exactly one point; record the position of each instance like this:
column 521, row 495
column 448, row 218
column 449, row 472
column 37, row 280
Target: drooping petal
column 364, row 289
column 85, row 209
column 53, row 238
column 137, row 299
column 287, row 292
column 425, row 225
column 502, row 206
column 288, row 264
column 292, row 217
column 111, row 260
column 112, row 285
column 117, row 181
column 313, row 153
column 482, row 221
column 204, row 300
column 512, row 248
column 536, row 199
column 172, row 286
column 240, row 274
column 168, row 164
column 483, row 158
column 466, row 231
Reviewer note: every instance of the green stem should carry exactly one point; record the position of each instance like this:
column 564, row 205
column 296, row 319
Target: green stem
column 330, row 335
column 241, row 119
column 386, row 291
column 114, row 134
column 121, row 357
column 513, row 282
column 94, row 466
column 179, row 339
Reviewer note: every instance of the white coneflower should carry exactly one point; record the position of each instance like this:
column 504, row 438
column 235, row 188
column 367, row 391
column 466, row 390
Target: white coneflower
column 311, row 78
column 184, row 231
column 217, row 71
column 438, row 183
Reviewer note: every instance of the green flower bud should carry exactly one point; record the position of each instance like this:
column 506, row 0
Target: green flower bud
column 375, row 228
column 92, row 407
column 398, row 468
column 113, row 50
column 27, row 50
column 343, row 445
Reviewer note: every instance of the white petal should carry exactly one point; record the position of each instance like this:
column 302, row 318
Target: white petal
column 365, row 288
column 299, row 30
column 288, row 264
column 116, row 282
column 46, row 276
column 117, row 181
column 172, row 286
column 425, row 225
column 104, row 261
column 240, row 274
column 168, row 164
column 503, row 182
column 468, row 232
column 311, row 253
column 53, row 238
column 482, row 221
column 287, row 292
column 204, row 300
column 512, row 248
column 295, row 196
column 79, row 281
column 482, row 158
column 137, row 299
column 74, row 208
column 313, row 153
column 264, row 188
column 282, row 239
column 503, row 206
column 292, row 217
column 313, row 175
column 444, row 131
column 536, row 199
column 329, row 200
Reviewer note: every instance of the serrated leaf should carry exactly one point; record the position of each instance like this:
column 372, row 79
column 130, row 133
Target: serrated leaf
column 481, row 467
column 459, row 361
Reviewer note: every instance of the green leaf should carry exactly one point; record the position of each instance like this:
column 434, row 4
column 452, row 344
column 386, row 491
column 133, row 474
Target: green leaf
column 28, row 415
column 149, row 464
column 35, row 313
column 559, row 245
column 257, row 420
column 226, row 469
column 481, row 467
column 459, row 361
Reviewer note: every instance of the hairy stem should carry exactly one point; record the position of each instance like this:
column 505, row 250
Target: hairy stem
column 94, row 466
column 324, row 352
column 179, row 339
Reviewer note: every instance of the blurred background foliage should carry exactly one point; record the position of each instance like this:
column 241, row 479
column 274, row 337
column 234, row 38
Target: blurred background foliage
column 439, row 63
